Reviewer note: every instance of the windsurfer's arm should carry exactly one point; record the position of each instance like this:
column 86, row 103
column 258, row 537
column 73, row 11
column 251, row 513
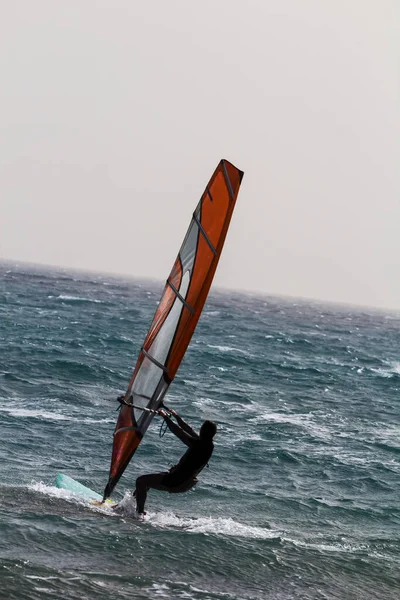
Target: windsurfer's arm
column 185, row 437
column 185, row 426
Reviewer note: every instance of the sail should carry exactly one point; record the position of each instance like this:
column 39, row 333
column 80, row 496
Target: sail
column 176, row 316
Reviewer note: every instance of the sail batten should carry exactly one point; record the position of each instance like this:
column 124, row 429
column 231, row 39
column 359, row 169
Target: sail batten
column 201, row 228
column 228, row 181
column 176, row 317
column 181, row 298
column 155, row 362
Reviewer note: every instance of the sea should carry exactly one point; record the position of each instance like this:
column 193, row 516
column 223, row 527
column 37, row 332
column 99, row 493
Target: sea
column 301, row 497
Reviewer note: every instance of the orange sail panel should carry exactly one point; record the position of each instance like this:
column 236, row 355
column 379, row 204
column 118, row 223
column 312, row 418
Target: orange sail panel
column 176, row 316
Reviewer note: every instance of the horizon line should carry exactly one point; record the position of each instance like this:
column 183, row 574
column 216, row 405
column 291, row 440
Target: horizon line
column 223, row 289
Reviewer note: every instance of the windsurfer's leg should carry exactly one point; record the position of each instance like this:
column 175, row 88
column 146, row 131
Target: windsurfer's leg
column 144, row 483
column 182, row 487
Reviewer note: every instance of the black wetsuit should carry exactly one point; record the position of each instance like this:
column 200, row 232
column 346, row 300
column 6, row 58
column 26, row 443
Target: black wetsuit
column 192, row 462
column 195, row 458
column 181, row 477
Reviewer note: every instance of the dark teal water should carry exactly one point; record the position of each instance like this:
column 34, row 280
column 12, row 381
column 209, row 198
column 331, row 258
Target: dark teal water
column 301, row 500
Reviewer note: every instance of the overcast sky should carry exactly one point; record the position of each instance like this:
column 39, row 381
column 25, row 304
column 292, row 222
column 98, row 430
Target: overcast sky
column 114, row 114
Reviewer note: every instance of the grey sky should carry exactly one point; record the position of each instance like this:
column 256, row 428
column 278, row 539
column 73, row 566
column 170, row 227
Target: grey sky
column 114, row 114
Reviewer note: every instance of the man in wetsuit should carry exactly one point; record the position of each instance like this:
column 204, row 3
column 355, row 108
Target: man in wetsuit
column 181, row 477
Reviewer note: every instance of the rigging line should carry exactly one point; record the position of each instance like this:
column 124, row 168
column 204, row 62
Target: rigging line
column 163, row 426
column 163, row 429
column 181, row 298
column 126, row 429
column 209, row 242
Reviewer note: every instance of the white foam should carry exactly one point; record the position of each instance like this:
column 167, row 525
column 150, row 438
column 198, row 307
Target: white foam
column 226, row 405
column 163, row 590
column 232, row 440
column 229, row 349
column 392, row 369
column 383, row 433
column 293, row 419
column 48, row 415
column 191, row 382
column 204, row 402
column 41, row 578
column 301, row 420
column 127, row 506
column 211, row 525
column 239, row 407
column 77, row 299
column 51, row 490
column 387, row 373
column 387, row 432
column 326, row 547
column 36, row 414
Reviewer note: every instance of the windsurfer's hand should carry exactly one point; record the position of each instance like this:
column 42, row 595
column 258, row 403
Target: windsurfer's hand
column 162, row 413
column 173, row 412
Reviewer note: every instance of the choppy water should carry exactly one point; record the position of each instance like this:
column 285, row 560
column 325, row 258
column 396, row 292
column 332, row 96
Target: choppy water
column 301, row 500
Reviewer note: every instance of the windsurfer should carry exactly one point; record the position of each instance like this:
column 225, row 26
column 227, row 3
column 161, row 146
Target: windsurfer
column 183, row 476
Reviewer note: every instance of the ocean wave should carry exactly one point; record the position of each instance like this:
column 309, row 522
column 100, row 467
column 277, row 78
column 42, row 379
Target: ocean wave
column 232, row 438
column 66, row 298
column 204, row 403
column 13, row 377
column 52, row 490
column 307, row 422
column 48, row 415
column 325, row 546
column 310, row 448
column 287, row 457
column 213, row 526
column 226, row 406
column 181, row 590
column 392, row 370
column 388, row 447
column 229, row 349
column 301, row 420
column 218, row 526
column 55, row 492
